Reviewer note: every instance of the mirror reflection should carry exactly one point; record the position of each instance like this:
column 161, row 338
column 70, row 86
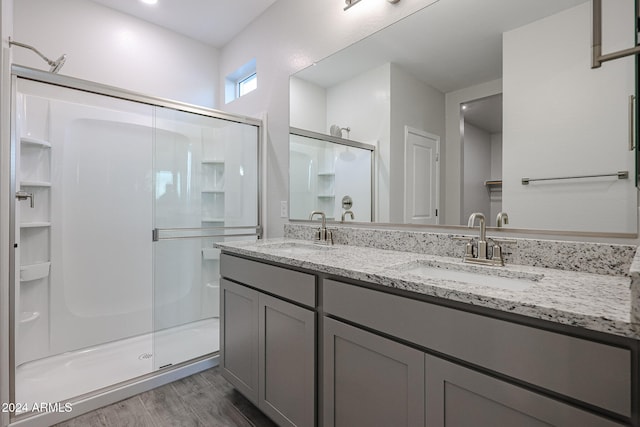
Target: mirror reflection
column 483, row 107
column 330, row 174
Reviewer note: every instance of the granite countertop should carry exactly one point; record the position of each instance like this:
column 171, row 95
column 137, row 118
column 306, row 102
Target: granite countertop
column 586, row 300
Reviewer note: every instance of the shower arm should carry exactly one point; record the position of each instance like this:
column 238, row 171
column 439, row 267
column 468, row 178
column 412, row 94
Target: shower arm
column 55, row 65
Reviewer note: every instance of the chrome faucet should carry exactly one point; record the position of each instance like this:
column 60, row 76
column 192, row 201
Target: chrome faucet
column 502, row 219
column 345, row 213
column 482, row 242
column 478, row 253
column 323, row 235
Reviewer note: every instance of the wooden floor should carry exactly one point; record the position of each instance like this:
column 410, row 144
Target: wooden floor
column 204, row 399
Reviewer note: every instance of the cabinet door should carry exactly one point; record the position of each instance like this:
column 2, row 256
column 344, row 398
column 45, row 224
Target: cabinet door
column 239, row 337
column 287, row 362
column 460, row 397
column 370, row 380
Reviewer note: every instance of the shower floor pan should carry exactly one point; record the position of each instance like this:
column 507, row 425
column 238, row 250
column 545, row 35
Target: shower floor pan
column 62, row 377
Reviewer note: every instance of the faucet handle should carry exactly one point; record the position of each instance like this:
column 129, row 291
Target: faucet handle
column 470, row 249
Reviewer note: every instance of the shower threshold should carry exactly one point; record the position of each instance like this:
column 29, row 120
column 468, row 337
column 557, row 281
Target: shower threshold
column 61, row 377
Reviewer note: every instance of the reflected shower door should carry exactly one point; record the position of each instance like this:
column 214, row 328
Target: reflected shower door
column 324, row 170
column 205, row 190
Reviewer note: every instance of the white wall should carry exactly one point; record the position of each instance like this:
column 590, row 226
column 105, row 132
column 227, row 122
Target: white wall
column 363, row 104
column 308, row 106
column 418, row 105
column 288, row 37
column 496, row 156
column 112, row 48
column 571, row 102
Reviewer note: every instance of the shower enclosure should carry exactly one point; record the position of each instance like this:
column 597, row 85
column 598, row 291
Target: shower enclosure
column 330, row 174
column 118, row 201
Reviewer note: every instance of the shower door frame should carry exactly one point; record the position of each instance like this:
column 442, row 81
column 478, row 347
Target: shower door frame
column 136, row 385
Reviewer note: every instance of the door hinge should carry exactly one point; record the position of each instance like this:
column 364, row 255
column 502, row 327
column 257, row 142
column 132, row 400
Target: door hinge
column 155, row 235
column 436, row 212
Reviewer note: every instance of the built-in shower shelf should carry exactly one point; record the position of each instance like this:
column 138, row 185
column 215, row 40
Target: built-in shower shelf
column 213, row 191
column 210, row 253
column 326, row 174
column 39, row 224
column 213, row 162
column 326, row 196
column 34, row 271
column 29, row 316
column 35, row 184
column 37, row 142
column 212, row 219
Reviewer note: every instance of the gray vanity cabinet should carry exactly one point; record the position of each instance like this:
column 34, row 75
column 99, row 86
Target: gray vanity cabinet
column 268, row 344
column 460, row 397
column 370, row 380
column 505, row 374
column 239, row 337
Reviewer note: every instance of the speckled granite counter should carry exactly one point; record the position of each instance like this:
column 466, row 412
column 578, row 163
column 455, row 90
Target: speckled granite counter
column 587, row 300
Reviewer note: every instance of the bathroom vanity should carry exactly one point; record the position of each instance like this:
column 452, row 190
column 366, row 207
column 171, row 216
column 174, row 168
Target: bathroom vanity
column 348, row 336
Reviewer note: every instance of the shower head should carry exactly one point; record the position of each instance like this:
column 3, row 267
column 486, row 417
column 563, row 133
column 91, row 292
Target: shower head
column 55, row 65
column 336, row 130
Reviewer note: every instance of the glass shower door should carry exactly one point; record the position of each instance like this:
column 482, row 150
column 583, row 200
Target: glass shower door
column 83, row 284
column 205, row 190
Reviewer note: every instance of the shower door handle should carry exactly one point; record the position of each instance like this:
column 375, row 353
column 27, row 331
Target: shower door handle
column 23, row 195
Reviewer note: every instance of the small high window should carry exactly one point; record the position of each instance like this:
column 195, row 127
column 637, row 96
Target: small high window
column 248, row 84
column 241, row 82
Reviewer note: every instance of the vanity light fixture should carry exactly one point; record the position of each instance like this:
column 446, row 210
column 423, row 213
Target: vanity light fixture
column 350, row 3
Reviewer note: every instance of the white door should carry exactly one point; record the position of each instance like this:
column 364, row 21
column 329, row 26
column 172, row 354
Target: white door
column 422, row 171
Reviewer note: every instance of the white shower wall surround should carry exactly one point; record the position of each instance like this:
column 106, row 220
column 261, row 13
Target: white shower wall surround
column 100, row 151
column 102, row 173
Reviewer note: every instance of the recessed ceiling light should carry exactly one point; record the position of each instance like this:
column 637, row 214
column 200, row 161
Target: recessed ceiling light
column 149, row 1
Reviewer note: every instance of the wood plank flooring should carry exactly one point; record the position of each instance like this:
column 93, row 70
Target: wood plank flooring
column 203, row 399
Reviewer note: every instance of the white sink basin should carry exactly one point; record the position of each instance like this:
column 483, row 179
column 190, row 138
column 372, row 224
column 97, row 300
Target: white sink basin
column 493, row 277
column 296, row 248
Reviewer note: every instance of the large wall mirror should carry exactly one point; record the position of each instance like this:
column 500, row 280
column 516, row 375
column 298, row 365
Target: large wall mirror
column 484, row 106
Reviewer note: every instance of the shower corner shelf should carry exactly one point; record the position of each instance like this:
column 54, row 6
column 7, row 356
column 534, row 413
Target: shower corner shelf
column 35, row 184
column 211, row 190
column 32, row 272
column 211, row 253
column 209, row 219
column 28, row 317
column 326, row 196
column 326, row 173
column 212, row 162
column 38, row 224
column 37, row 142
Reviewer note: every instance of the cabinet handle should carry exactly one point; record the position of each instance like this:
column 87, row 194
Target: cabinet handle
column 632, row 103
column 23, row 195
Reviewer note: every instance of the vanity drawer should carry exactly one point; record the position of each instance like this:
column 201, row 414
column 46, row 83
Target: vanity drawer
column 588, row 371
column 287, row 284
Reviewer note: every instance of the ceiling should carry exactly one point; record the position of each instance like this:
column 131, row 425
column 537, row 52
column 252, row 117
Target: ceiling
column 449, row 45
column 214, row 22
